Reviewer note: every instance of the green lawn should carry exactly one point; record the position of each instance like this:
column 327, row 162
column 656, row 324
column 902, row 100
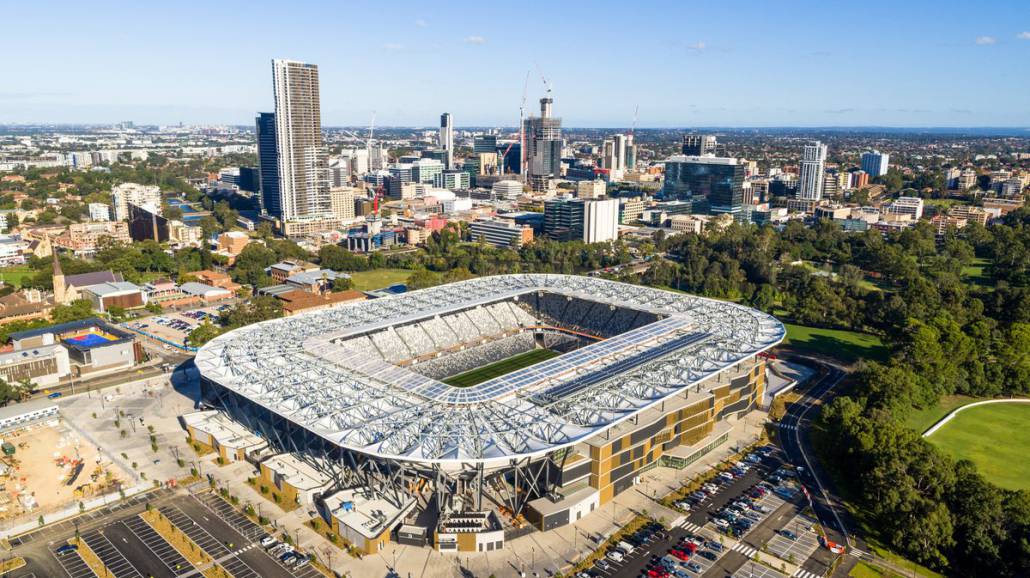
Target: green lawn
column 14, row 274
column 847, row 346
column 921, row 419
column 500, row 368
column 378, row 278
column 995, row 438
column 976, row 272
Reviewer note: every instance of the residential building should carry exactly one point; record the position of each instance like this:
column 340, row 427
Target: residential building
column 302, row 164
column 182, row 235
column 967, row 179
column 500, row 232
column 83, row 239
column 99, row 212
column 425, row 171
column 970, row 214
column 875, row 163
column 342, row 202
column 299, row 301
column 810, row 182
column 123, row 195
column 911, row 206
column 951, row 178
column 25, row 305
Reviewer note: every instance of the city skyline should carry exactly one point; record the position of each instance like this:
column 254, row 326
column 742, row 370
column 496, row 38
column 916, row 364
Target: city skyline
column 683, row 65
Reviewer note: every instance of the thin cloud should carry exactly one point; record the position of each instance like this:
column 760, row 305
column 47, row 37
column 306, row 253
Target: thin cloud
column 1023, row 36
column 475, row 40
column 697, row 46
column 393, row 46
column 986, row 40
column 421, row 23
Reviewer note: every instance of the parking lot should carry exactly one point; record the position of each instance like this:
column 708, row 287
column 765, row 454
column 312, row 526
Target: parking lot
column 72, row 564
column 231, row 516
column 157, row 545
column 174, row 327
column 795, row 550
column 110, row 556
column 756, row 570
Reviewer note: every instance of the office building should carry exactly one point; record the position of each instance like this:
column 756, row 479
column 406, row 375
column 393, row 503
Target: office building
column 146, row 225
column 452, row 180
column 810, row 182
column 486, row 143
column 543, row 147
column 447, row 138
column 591, row 221
column 302, row 163
column 342, row 202
column 507, row 190
column 709, row 184
column 591, row 189
column 425, row 171
column 695, row 145
column 268, row 164
column 500, row 233
column 249, row 179
column 123, row 195
column 875, row 163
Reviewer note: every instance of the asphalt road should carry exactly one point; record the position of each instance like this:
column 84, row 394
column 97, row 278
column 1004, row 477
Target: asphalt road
column 793, row 438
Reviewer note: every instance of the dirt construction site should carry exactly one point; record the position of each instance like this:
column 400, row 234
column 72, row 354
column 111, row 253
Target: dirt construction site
column 46, row 467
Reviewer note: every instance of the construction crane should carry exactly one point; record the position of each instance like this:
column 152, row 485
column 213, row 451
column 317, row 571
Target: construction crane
column 522, row 129
column 633, row 128
column 547, row 83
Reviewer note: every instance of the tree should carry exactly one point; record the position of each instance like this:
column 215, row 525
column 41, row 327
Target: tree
column 74, row 311
column 343, row 284
column 203, row 333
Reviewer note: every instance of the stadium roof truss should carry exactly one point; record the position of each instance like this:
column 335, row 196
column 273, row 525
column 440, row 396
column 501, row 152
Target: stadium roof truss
column 302, row 369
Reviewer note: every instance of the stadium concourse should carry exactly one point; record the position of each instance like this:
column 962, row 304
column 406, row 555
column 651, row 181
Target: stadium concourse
column 643, row 376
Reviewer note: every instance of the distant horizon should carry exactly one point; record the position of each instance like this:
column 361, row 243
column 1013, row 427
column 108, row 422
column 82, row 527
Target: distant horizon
column 691, row 128
column 665, row 64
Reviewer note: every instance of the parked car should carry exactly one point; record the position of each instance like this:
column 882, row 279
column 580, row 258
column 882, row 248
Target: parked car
column 721, row 523
column 67, row 549
column 789, row 535
column 602, row 564
column 715, row 546
column 708, row 554
column 694, row 567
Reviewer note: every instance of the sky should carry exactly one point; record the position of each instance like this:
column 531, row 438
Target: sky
column 681, row 63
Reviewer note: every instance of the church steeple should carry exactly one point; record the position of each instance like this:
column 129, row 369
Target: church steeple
column 60, row 290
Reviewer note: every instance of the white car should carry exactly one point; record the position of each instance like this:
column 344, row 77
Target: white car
column 722, row 523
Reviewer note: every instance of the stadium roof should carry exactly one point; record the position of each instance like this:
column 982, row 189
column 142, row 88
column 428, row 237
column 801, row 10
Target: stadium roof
column 298, row 368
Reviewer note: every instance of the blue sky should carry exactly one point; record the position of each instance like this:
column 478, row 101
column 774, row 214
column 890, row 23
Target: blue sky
column 684, row 63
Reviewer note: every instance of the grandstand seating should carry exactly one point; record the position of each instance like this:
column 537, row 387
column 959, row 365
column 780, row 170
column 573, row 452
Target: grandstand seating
column 491, row 322
column 473, row 357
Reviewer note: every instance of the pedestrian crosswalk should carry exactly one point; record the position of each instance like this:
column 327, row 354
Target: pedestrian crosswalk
column 690, row 526
column 744, row 549
column 802, row 573
column 788, row 426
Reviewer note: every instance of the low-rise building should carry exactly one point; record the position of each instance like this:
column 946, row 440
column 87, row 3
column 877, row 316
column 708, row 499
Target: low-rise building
column 911, row 206
column 294, row 478
column 231, row 440
column 364, row 517
column 232, row 243
column 283, row 269
column 500, row 233
column 91, row 347
column 25, row 305
column 117, row 294
column 204, row 292
column 297, row 300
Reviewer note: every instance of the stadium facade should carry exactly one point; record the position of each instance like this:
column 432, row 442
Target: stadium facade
column 643, row 376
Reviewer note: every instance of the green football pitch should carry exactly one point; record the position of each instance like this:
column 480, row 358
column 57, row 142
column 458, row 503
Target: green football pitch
column 500, row 368
column 995, row 437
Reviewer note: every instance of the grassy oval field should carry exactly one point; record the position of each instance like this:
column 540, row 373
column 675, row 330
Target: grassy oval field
column 996, row 437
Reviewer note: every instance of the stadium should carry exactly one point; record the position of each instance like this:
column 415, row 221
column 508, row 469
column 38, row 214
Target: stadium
column 570, row 388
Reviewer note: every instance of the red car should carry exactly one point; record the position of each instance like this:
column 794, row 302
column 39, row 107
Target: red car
column 657, row 574
column 680, row 554
column 691, row 547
